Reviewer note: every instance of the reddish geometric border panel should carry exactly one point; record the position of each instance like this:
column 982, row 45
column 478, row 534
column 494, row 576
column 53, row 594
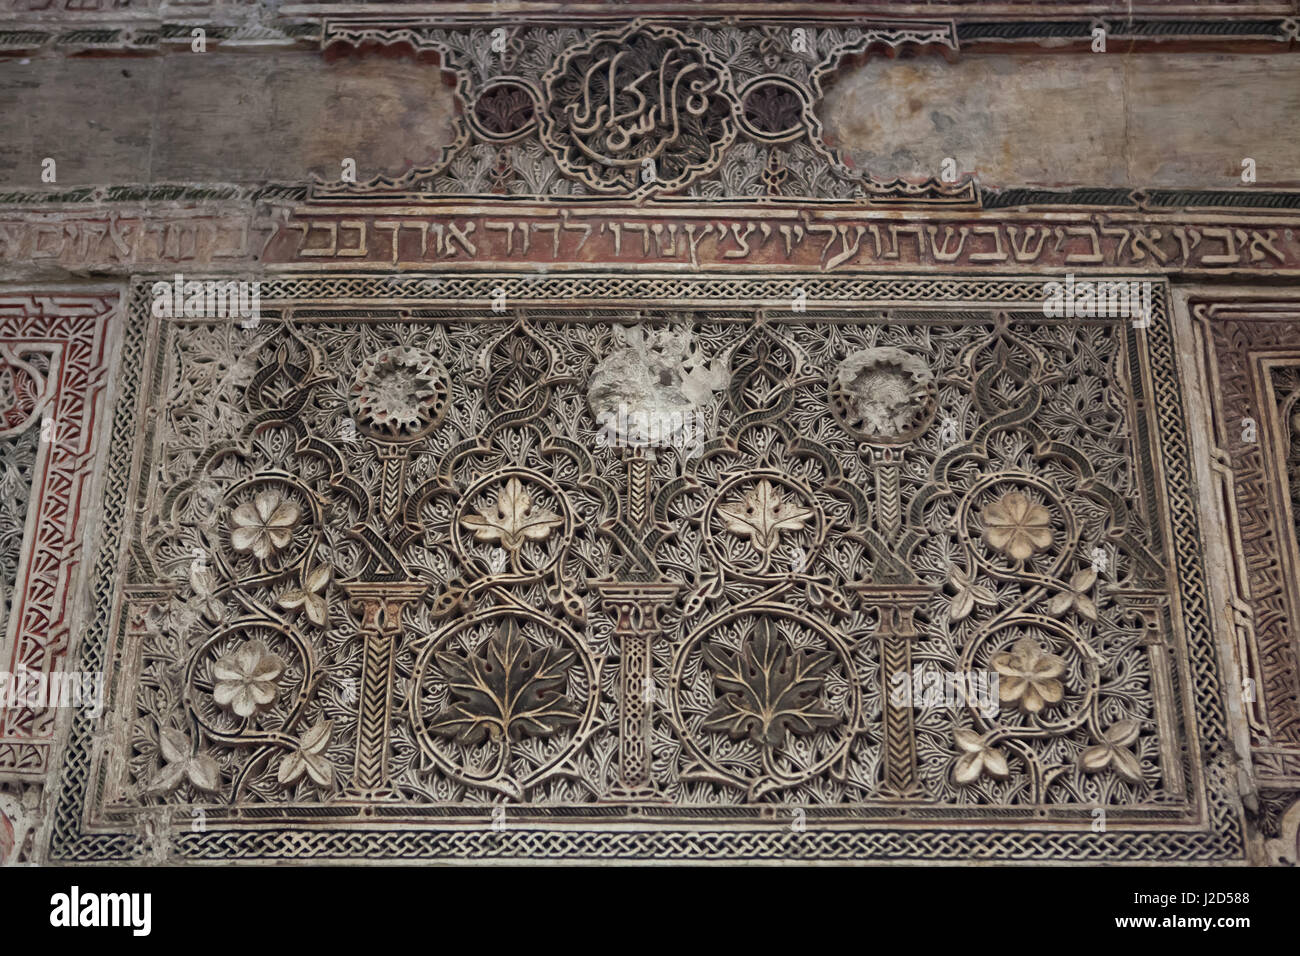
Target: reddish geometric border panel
column 77, row 333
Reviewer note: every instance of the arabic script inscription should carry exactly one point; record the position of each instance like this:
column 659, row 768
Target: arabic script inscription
column 646, row 110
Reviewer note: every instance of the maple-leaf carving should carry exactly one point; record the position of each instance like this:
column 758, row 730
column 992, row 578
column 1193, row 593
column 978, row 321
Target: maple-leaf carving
column 761, row 515
column 513, row 520
column 505, row 689
column 767, row 690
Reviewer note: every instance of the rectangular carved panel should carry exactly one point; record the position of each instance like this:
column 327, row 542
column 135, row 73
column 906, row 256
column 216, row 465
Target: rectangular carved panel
column 1253, row 356
column 611, row 566
column 54, row 360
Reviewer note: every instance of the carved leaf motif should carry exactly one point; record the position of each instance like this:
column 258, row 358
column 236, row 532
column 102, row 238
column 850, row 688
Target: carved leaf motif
column 309, row 757
column 449, row 601
column 761, row 515
column 505, row 690
column 180, row 764
column 1113, row 751
column 773, row 108
column 767, row 689
column 711, row 586
column 968, row 595
column 513, row 520
column 310, row 597
column 204, row 583
column 174, row 744
column 977, row 758
column 1076, row 596
column 504, row 109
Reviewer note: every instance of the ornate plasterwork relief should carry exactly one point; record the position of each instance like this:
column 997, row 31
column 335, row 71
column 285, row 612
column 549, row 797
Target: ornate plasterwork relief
column 478, row 615
column 393, row 576
column 646, row 109
column 1251, row 351
column 55, row 350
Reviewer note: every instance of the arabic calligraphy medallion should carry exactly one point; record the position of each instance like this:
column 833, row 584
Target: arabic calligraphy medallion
column 645, row 110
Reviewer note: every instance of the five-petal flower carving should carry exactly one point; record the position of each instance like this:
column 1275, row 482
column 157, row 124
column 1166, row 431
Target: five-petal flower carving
column 1017, row 526
column 246, row 678
column 263, row 526
column 1028, row 676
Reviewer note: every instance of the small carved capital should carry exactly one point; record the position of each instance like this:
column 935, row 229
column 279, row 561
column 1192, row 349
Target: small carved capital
column 896, row 605
column 379, row 603
column 637, row 605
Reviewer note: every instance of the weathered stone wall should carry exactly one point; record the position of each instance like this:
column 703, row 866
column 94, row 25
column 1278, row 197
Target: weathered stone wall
column 1047, row 118
column 1054, row 118
column 182, row 117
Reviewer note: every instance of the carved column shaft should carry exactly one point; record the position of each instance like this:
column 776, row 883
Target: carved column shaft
column 885, row 463
column 636, row 686
column 898, row 720
column 638, row 489
column 370, row 774
column 380, row 605
column 393, row 462
column 895, row 630
column 1149, row 608
column 637, row 608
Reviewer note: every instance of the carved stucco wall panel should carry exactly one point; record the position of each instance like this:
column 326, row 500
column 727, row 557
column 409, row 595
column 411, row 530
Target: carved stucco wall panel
column 1248, row 353
column 57, row 348
column 56, row 353
column 616, row 477
column 490, row 609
